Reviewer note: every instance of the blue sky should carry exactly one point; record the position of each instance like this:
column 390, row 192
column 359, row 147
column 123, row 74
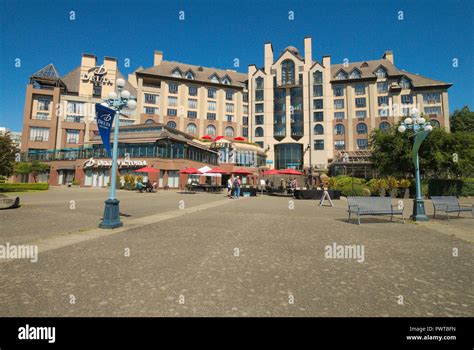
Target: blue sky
column 214, row 33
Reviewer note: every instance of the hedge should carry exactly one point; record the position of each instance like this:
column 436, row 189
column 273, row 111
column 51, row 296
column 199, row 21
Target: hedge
column 14, row 187
column 451, row 187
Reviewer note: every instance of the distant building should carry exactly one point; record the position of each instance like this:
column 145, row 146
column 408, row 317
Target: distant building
column 15, row 136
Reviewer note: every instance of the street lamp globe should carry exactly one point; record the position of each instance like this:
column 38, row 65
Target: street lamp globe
column 414, row 112
column 125, row 94
column 132, row 104
column 402, row 128
column 408, row 121
column 421, row 120
column 112, row 95
column 428, row 127
column 120, row 83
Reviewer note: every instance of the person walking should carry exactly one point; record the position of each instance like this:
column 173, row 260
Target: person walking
column 229, row 187
column 237, row 185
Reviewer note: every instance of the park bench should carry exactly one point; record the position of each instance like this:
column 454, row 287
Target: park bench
column 450, row 204
column 9, row 203
column 372, row 206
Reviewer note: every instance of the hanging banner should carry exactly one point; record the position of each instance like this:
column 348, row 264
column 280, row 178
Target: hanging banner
column 105, row 120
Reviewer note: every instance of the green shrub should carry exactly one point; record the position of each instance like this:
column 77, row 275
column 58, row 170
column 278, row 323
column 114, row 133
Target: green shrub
column 15, row 187
column 76, row 182
column 359, row 190
column 343, row 180
column 451, row 187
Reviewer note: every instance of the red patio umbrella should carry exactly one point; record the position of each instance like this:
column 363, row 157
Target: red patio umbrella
column 217, row 171
column 190, row 171
column 271, row 172
column 206, row 137
column 289, row 172
column 239, row 138
column 147, row 170
column 218, row 138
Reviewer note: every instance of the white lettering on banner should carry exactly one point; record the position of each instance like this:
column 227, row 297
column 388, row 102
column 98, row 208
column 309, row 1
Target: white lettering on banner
column 125, row 163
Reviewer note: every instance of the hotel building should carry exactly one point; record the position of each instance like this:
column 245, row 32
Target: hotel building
column 307, row 113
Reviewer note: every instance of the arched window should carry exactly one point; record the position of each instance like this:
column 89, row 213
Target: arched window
column 226, row 80
column 211, row 130
column 190, row 75
column 362, row 128
column 176, row 73
column 171, row 124
column 317, row 78
column 384, row 126
column 318, row 129
column 287, row 72
column 339, row 129
column 229, row 131
column 434, row 123
column 149, row 121
column 191, row 128
column 259, row 132
column 341, row 75
column 259, row 83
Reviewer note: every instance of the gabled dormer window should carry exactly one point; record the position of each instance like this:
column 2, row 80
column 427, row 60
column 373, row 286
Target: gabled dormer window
column 341, row 75
column 404, row 83
column 214, row 78
column 364, row 65
column 381, row 73
column 189, row 75
column 177, row 73
column 355, row 74
column 226, row 80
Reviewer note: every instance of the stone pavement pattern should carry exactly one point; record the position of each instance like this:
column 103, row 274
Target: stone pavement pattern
column 187, row 265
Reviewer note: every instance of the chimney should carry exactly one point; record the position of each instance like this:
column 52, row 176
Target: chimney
column 88, row 60
column 268, row 57
column 388, row 55
column 158, row 58
column 110, row 63
column 327, row 62
column 308, row 52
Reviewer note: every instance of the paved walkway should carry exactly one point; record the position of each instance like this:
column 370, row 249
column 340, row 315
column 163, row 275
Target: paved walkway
column 261, row 256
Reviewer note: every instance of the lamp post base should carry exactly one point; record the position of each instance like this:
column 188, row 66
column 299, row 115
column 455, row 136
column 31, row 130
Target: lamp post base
column 111, row 217
column 419, row 210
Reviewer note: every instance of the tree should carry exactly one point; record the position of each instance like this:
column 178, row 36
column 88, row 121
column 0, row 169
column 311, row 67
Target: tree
column 462, row 120
column 7, row 155
column 34, row 168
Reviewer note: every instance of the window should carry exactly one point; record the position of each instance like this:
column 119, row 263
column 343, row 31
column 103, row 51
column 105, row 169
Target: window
column 229, row 107
column 214, row 78
column 172, row 112
column 211, row 105
column 384, row 126
column 259, row 120
column 341, row 75
column 380, row 73
column 362, row 144
column 318, row 116
column 72, row 136
column 339, row 129
column 382, row 100
column 211, row 93
column 259, row 83
column 226, row 80
column 339, row 104
column 318, row 145
column 362, row 128
column 172, row 101
column 39, row 134
column 190, row 75
column 338, row 115
column 176, row 73
column 192, row 114
column 361, row 114
column 191, row 128
column 245, row 120
column 259, row 132
column 383, row 112
column 318, row 104
column 229, row 131
column 150, row 110
column 75, row 108
column 340, row 145
column 245, row 109
column 192, row 103
column 407, row 99
column 150, row 98
column 72, row 118
column 171, row 124
column 211, row 130
column 433, row 110
column 360, row 102
column 229, row 95
column 338, row 90
column 43, row 104
column 317, row 90
column 288, row 72
column 404, row 83
column 259, row 108
column 245, row 132
column 318, row 129
column 42, row 116
column 258, row 95
column 359, row 89
column 97, row 91
column 317, row 77
column 192, row 90
column 245, row 97
column 229, row 117
column 355, row 74
column 434, row 123
column 211, row 116
column 432, row 97
column 173, row 88
column 382, row 87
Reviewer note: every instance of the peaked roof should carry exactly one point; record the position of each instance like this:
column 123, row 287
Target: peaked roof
column 48, row 75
